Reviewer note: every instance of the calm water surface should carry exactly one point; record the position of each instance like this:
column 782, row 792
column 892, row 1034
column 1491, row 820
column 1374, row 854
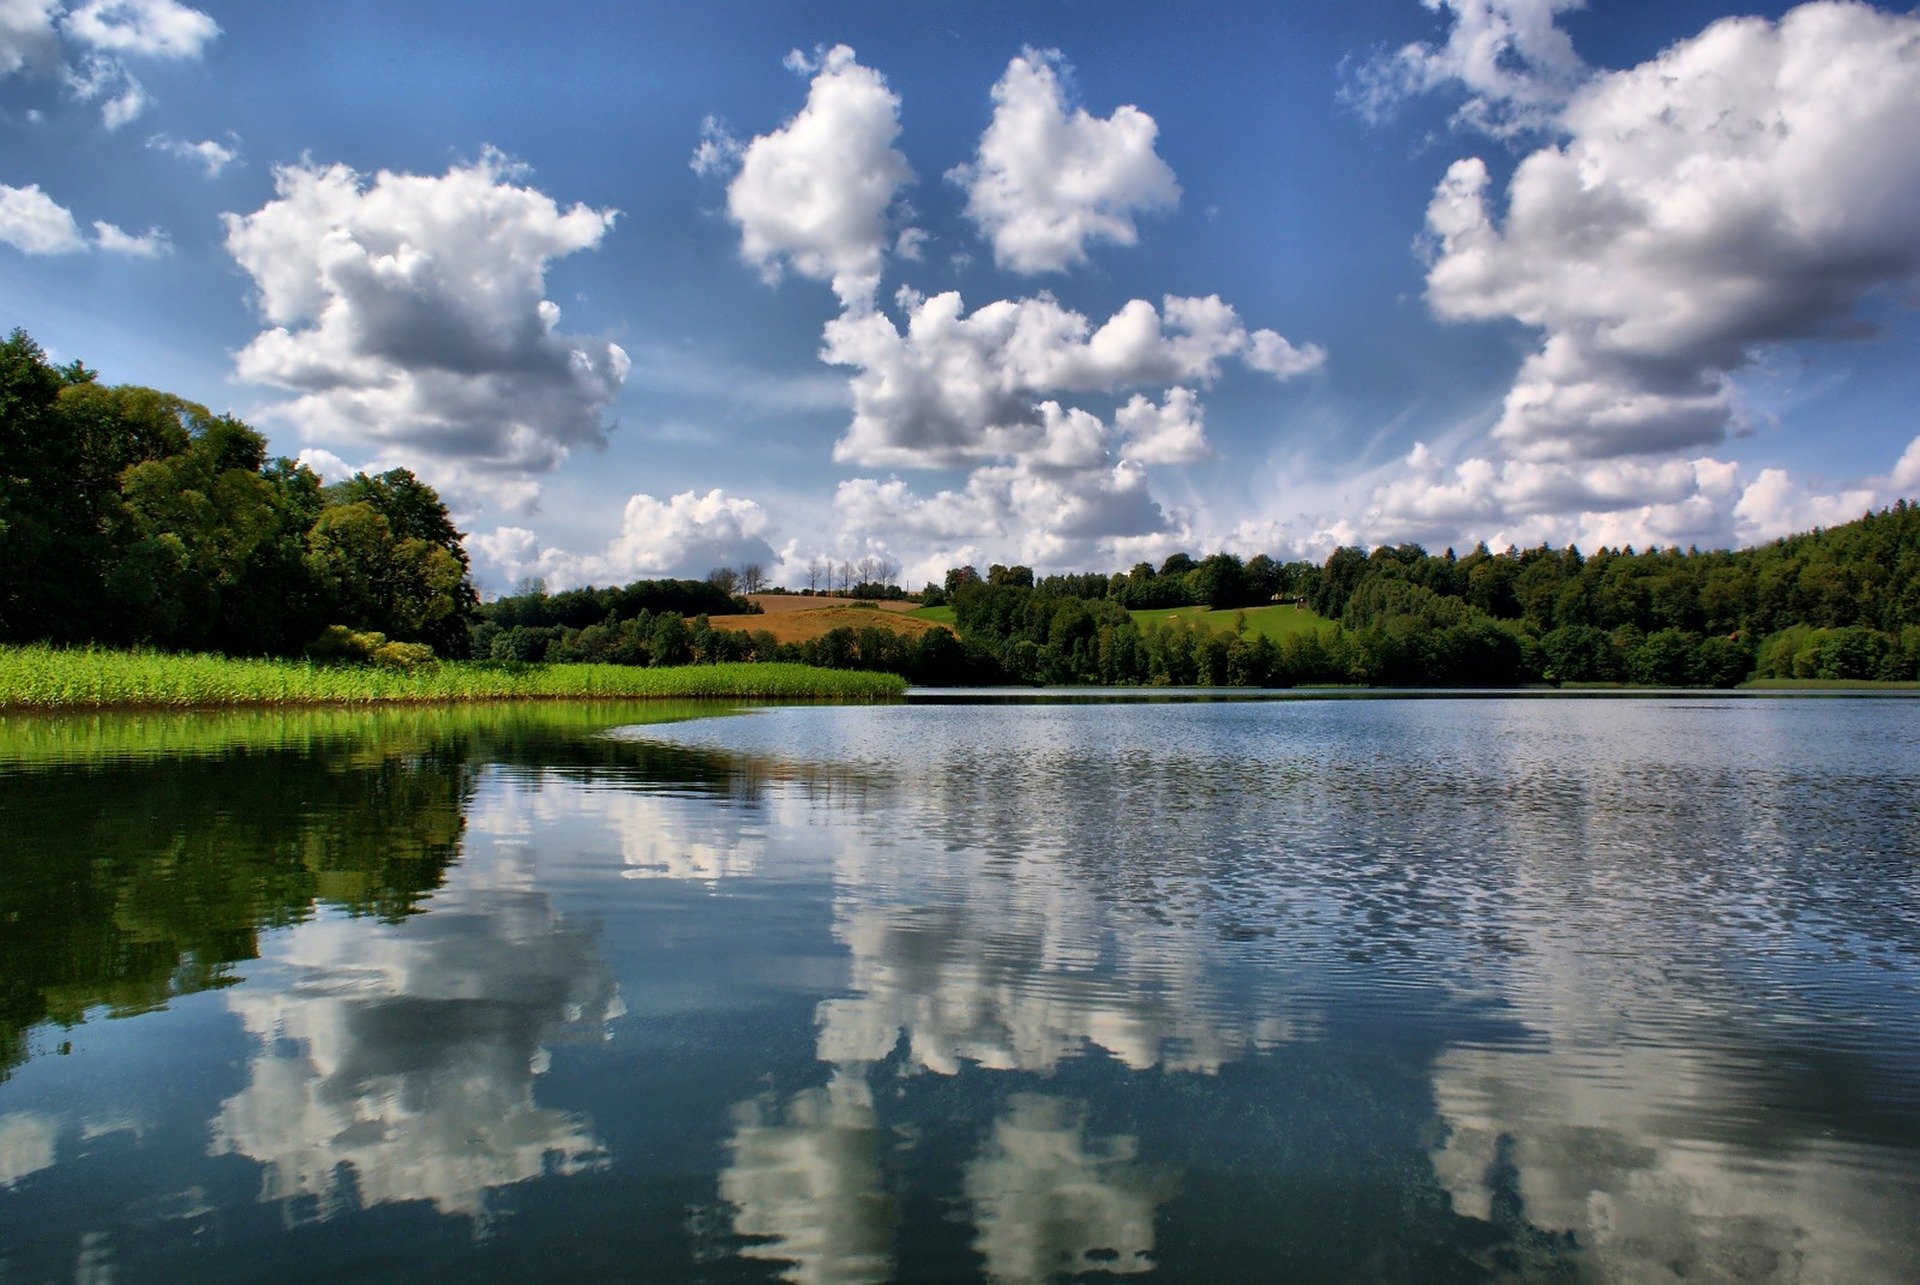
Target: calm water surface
column 1312, row 990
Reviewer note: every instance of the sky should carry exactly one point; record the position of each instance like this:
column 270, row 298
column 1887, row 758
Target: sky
column 646, row 289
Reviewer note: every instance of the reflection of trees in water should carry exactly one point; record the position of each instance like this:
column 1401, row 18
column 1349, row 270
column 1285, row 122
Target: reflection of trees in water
column 134, row 881
column 148, row 852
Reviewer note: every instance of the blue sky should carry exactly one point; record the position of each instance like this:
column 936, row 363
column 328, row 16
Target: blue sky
column 1262, row 277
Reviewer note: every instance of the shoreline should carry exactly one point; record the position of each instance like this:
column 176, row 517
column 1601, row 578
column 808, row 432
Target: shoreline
column 51, row 680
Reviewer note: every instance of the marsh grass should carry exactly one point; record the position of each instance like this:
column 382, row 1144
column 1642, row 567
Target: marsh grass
column 48, row 678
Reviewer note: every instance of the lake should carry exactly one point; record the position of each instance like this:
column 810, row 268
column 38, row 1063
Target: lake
column 1312, row 989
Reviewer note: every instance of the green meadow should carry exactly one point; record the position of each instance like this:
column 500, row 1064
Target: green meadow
column 48, row 678
column 1276, row 622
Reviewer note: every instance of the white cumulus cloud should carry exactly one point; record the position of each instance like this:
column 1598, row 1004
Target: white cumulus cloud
column 99, row 78
column 146, row 28
column 27, row 35
column 89, row 45
column 1174, row 432
column 1050, row 178
column 1662, row 503
column 211, row 155
column 150, row 244
column 686, row 536
column 1053, row 518
column 954, row 387
column 814, row 194
column 1751, row 185
column 409, row 315
column 718, row 151
column 1515, row 66
column 34, row 223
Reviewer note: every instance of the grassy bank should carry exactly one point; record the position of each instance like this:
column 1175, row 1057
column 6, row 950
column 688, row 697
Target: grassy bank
column 45, row 678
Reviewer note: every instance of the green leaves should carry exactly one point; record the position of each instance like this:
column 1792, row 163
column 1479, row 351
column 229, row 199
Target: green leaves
column 130, row 515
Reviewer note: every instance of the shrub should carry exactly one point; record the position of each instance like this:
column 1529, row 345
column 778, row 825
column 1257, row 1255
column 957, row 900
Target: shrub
column 338, row 644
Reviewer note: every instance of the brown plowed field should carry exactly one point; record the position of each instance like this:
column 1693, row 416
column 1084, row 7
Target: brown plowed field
column 789, row 625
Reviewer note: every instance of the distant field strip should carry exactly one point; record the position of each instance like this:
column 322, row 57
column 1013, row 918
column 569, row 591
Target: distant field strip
column 1275, row 622
column 776, row 604
column 47, row 678
column 817, row 622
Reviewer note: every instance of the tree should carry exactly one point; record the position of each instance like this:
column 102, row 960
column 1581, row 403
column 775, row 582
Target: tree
column 1220, row 581
column 753, row 578
column 190, row 527
column 725, row 579
column 372, row 580
column 435, row 599
column 671, row 643
column 1015, row 575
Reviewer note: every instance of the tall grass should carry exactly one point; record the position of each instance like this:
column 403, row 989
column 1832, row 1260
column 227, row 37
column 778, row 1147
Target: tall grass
column 47, row 678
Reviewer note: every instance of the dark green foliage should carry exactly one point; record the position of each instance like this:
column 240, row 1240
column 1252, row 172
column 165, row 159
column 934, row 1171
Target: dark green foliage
column 1580, row 654
column 578, row 608
column 131, row 516
column 1853, row 652
column 1839, row 604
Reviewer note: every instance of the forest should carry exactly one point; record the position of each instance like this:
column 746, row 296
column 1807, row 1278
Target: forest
column 1842, row 603
column 132, row 517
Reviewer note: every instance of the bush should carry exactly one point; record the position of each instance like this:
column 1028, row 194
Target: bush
column 338, row 644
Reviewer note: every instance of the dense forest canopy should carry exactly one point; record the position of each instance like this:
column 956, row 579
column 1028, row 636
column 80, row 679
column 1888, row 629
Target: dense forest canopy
column 131, row 516
column 1840, row 603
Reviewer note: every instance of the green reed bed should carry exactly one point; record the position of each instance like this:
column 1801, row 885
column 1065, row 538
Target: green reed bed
column 50, row 678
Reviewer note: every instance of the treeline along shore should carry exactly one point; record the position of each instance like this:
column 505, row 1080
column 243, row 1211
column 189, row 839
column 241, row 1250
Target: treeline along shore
column 151, row 552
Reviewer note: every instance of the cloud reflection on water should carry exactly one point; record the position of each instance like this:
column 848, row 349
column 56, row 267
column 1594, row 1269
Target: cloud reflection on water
column 1049, row 1198
column 396, row 1061
column 803, row 1178
column 1623, row 1127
